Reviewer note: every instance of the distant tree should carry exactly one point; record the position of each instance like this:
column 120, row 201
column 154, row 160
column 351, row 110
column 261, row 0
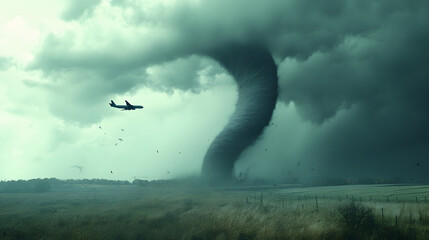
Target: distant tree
column 41, row 185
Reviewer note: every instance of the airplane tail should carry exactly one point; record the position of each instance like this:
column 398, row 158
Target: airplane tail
column 112, row 103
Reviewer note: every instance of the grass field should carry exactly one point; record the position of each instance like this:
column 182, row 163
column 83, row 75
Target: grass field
column 233, row 212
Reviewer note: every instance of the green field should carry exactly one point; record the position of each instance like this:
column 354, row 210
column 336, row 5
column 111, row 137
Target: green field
column 90, row 211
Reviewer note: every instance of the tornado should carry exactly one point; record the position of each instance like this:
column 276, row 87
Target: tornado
column 255, row 73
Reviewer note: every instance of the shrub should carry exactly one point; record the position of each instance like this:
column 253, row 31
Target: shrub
column 358, row 220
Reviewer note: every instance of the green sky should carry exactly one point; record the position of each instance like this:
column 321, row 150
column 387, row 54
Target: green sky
column 352, row 87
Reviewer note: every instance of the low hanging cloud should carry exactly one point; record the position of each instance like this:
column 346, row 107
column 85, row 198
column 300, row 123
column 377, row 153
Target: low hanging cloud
column 77, row 9
column 357, row 69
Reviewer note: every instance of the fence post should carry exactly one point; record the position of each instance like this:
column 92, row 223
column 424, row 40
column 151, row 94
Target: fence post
column 317, row 206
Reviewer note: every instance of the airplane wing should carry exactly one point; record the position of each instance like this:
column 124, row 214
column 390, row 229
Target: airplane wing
column 128, row 104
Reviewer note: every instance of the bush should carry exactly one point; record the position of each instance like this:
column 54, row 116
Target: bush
column 358, row 220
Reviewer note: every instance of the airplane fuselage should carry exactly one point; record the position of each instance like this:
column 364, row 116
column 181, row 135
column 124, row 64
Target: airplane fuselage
column 125, row 107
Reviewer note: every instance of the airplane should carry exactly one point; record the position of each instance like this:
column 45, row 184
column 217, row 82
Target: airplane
column 129, row 106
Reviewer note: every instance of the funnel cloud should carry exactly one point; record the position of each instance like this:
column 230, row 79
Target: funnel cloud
column 255, row 72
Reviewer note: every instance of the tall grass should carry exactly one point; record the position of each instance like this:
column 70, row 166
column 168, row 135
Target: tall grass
column 204, row 214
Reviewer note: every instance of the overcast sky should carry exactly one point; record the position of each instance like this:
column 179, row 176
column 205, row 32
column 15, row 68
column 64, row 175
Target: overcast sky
column 353, row 87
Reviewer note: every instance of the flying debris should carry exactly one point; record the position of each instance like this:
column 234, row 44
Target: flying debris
column 99, row 127
column 266, row 149
column 111, row 172
column 120, row 139
column 122, row 129
column 168, row 172
column 243, row 175
column 273, row 124
column 129, row 106
column 180, row 152
column 80, row 168
column 116, row 144
column 418, row 164
column 156, row 151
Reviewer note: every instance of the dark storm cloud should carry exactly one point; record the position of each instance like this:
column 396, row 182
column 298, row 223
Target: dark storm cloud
column 294, row 29
column 78, row 8
column 367, row 68
column 381, row 81
column 357, row 69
